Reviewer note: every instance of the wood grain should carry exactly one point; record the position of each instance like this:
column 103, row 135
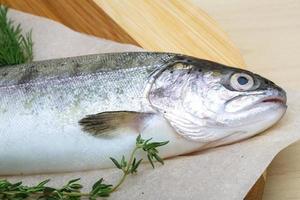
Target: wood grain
column 257, row 191
column 81, row 15
column 173, row 26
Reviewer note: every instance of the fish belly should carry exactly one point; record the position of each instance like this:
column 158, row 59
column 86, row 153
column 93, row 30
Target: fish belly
column 45, row 149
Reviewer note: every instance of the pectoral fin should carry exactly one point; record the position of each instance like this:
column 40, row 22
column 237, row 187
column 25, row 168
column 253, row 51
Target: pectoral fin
column 106, row 122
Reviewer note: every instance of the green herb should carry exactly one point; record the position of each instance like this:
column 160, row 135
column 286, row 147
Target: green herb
column 14, row 47
column 72, row 190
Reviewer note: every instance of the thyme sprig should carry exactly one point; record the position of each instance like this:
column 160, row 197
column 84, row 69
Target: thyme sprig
column 15, row 48
column 72, row 190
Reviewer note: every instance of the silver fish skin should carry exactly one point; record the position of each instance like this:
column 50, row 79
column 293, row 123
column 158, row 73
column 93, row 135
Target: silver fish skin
column 193, row 103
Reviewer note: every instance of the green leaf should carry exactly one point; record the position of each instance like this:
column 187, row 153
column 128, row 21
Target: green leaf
column 14, row 47
column 135, row 166
column 150, row 160
column 59, row 194
column 138, row 139
column 104, row 193
column 117, row 164
column 159, row 159
column 41, row 184
column 76, row 186
column 123, row 162
column 99, row 182
column 15, row 185
column 133, row 162
column 100, row 189
column 146, row 141
column 154, row 145
column 73, row 181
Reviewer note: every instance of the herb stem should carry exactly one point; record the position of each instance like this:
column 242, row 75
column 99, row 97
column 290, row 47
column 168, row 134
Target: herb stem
column 127, row 170
column 74, row 194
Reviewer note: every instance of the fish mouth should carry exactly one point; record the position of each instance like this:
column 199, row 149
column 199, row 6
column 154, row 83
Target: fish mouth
column 273, row 99
column 263, row 101
column 270, row 102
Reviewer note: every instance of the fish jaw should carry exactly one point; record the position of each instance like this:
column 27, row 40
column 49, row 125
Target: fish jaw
column 256, row 125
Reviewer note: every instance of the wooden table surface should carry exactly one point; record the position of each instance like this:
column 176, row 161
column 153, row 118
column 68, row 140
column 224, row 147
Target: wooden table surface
column 268, row 37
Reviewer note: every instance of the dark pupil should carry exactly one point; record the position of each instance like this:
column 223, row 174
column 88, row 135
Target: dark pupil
column 242, row 80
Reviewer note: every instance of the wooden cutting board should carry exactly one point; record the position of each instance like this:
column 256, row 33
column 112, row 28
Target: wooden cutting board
column 172, row 26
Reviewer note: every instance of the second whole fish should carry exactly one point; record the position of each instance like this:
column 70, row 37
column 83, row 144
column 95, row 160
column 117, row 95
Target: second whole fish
column 74, row 113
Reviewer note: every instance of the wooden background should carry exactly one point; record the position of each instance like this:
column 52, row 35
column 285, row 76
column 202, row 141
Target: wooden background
column 255, row 33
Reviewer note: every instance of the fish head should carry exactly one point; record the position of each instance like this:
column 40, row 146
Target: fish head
column 208, row 102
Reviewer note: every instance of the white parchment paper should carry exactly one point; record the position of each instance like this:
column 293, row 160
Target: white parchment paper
column 226, row 172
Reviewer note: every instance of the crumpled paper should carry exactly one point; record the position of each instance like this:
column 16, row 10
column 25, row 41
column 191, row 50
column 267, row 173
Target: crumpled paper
column 226, row 172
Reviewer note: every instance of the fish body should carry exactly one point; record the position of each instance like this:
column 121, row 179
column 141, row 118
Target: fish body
column 74, row 113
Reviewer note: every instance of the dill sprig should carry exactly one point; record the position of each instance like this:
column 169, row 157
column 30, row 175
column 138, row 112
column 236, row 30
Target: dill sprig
column 72, row 190
column 14, row 47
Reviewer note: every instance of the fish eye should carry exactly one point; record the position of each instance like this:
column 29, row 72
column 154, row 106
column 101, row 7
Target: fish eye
column 241, row 81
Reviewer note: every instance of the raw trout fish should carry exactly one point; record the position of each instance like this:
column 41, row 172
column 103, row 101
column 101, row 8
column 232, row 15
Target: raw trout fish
column 74, row 113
